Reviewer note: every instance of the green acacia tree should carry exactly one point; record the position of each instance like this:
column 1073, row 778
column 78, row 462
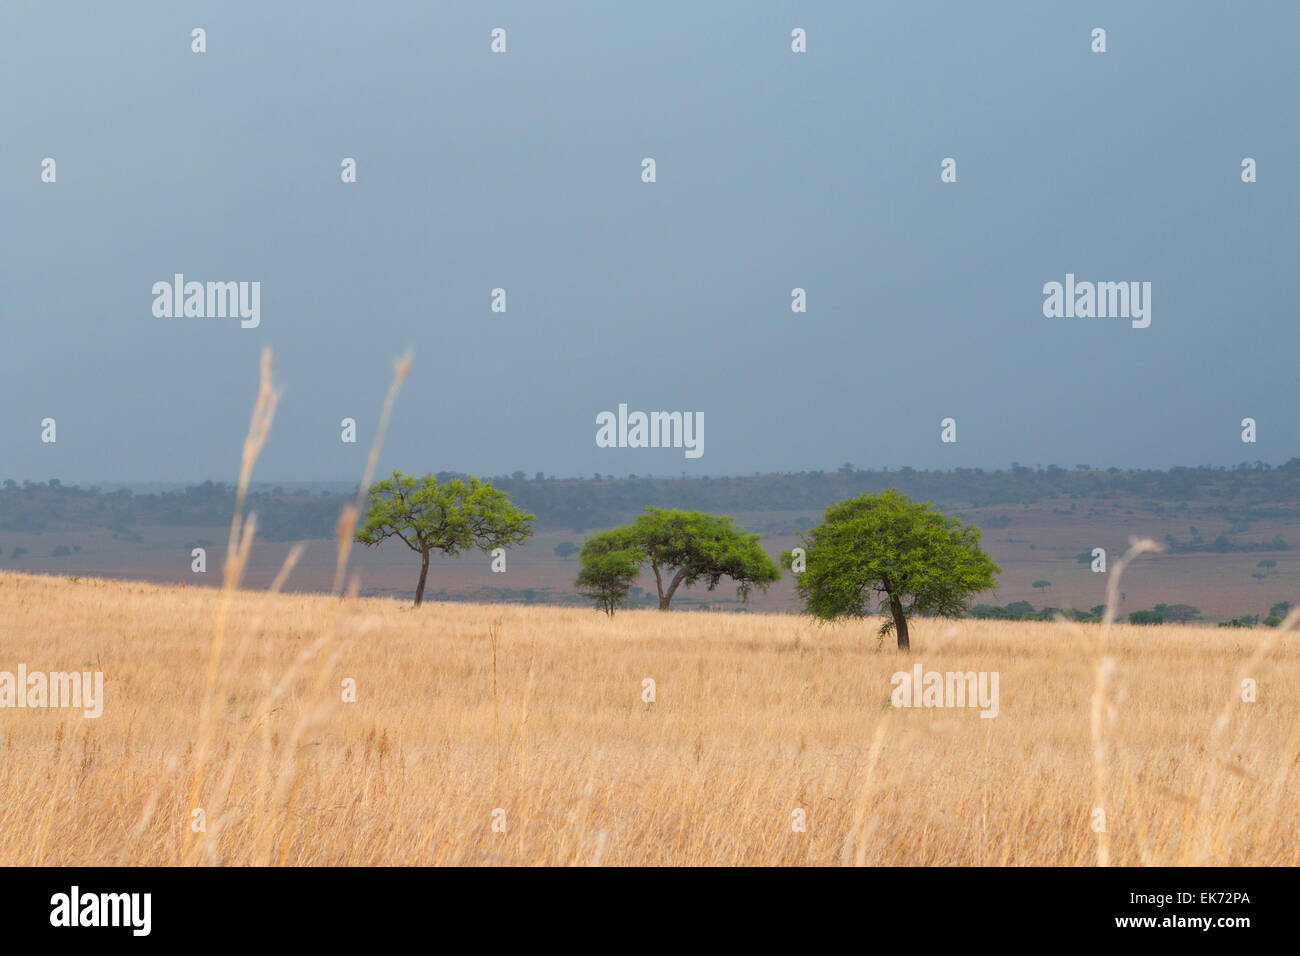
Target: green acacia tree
column 684, row 547
column 912, row 557
column 453, row 517
column 609, row 566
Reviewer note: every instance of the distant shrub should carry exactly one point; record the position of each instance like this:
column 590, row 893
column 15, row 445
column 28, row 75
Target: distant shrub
column 1240, row 622
column 1178, row 613
column 1146, row 617
column 1024, row 611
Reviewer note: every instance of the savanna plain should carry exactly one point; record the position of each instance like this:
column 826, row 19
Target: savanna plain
column 246, row 727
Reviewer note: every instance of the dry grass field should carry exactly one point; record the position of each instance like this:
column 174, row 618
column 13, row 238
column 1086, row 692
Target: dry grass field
column 462, row 710
column 242, row 726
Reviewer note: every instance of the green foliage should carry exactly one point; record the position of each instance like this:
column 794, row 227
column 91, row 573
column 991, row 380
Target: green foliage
column 680, row 547
column 992, row 612
column 1024, row 611
column 610, row 563
column 450, row 517
column 1277, row 614
column 1178, row 613
column 906, row 554
column 1249, row 621
column 1146, row 617
column 566, row 548
column 1042, row 584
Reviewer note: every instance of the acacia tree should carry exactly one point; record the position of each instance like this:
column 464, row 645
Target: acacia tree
column 912, row 557
column 684, row 547
column 609, row 566
column 453, row 517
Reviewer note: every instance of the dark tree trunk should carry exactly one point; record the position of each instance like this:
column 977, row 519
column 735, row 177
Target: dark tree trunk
column 424, row 573
column 666, row 598
column 900, row 623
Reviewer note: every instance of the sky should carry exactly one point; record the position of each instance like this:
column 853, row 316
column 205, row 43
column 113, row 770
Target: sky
column 522, row 170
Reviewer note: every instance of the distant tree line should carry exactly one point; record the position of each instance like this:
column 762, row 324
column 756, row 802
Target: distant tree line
column 1242, row 494
column 1160, row 614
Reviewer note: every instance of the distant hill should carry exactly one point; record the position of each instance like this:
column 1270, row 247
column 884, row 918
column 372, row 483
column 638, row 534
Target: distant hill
column 1240, row 495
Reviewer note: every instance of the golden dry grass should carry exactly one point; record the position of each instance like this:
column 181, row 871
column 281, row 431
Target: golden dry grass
column 755, row 716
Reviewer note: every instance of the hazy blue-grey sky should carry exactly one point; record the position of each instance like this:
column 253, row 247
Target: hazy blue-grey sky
column 775, row 170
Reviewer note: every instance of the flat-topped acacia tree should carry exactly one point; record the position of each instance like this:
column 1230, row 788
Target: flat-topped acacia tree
column 683, row 547
column 453, row 517
column 914, row 558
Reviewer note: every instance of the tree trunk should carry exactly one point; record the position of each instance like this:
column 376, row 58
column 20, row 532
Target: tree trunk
column 666, row 598
column 424, row 573
column 900, row 623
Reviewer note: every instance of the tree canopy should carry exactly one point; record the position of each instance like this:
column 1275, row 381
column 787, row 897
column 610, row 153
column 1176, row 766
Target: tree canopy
column 610, row 563
column 907, row 554
column 452, row 517
column 680, row 547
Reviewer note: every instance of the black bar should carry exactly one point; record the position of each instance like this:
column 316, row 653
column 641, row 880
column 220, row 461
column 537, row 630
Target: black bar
column 950, row 906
